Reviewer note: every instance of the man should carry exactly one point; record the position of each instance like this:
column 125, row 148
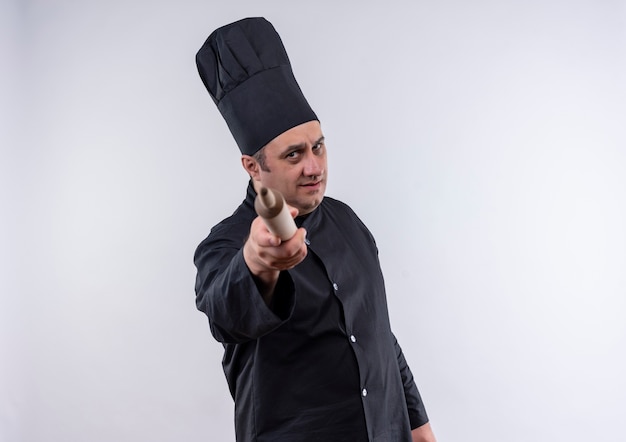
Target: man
column 309, row 352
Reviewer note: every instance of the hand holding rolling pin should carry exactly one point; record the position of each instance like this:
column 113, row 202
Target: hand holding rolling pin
column 271, row 206
column 275, row 243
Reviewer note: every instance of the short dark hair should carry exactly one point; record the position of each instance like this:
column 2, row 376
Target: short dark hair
column 259, row 156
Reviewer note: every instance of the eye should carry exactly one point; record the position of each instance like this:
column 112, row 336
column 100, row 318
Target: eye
column 292, row 155
column 318, row 147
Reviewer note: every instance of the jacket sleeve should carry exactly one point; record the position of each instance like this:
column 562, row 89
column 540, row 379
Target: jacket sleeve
column 227, row 294
column 415, row 406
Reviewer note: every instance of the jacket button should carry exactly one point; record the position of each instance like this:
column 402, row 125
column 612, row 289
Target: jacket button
column 352, row 338
column 364, row 392
column 335, row 286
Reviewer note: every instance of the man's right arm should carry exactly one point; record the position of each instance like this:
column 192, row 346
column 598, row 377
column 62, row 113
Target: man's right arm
column 266, row 255
column 242, row 300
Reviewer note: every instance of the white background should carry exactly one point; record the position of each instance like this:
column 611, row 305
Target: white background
column 482, row 142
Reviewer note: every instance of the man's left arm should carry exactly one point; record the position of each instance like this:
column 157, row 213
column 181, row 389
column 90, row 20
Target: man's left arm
column 421, row 429
column 423, row 434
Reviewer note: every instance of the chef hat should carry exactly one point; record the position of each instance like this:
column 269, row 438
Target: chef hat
column 246, row 70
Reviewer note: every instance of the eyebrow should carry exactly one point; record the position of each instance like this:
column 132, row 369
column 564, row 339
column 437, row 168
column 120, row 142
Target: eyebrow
column 300, row 146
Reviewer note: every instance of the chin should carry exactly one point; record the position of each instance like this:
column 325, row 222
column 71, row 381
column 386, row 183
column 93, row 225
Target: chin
column 305, row 208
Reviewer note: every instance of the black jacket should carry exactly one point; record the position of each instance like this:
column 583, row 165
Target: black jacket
column 320, row 363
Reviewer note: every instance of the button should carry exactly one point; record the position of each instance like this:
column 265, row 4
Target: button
column 364, row 392
column 335, row 286
column 307, row 242
column 352, row 338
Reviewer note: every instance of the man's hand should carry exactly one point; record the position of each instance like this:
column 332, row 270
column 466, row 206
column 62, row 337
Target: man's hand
column 423, row 434
column 266, row 255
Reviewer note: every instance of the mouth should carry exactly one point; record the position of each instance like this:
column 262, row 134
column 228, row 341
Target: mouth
column 312, row 185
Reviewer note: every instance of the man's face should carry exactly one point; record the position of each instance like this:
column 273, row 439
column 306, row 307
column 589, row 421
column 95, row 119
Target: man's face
column 295, row 165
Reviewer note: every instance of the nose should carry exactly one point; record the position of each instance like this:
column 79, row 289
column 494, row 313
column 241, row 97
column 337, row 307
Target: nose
column 313, row 165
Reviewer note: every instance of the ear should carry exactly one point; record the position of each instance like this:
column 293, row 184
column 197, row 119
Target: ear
column 251, row 166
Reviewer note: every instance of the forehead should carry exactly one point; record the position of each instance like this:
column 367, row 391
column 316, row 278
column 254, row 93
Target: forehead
column 303, row 134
